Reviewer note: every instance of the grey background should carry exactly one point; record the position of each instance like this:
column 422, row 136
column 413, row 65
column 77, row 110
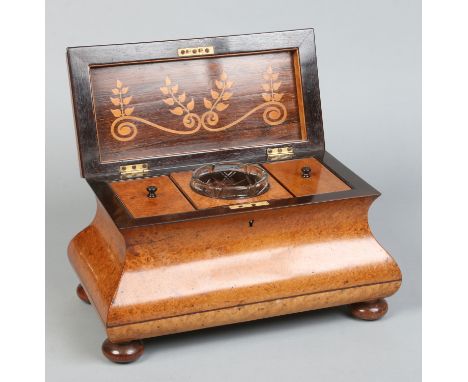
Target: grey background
column 369, row 56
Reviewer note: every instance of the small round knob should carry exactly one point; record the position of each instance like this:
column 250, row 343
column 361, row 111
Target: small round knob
column 151, row 191
column 306, row 171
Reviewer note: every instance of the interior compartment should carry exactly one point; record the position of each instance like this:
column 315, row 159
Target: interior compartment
column 182, row 179
column 321, row 180
column 133, row 195
column 174, row 194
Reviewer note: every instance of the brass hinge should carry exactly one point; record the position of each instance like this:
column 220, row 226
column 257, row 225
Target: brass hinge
column 248, row 205
column 133, row 170
column 279, row 153
column 198, row 51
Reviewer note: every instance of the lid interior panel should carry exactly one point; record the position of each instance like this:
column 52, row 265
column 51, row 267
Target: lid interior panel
column 144, row 103
column 166, row 108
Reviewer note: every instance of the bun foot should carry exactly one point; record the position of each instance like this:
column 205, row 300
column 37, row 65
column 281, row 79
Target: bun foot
column 82, row 294
column 369, row 310
column 125, row 352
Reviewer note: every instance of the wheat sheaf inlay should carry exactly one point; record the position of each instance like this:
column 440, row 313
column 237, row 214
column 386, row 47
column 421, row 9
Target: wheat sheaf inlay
column 181, row 104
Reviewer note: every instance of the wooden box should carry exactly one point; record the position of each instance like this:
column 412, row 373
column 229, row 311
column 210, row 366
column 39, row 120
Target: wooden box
column 148, row 114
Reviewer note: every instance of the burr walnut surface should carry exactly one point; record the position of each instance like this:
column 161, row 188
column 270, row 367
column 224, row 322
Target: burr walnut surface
column 249, row 312
column 213, row 267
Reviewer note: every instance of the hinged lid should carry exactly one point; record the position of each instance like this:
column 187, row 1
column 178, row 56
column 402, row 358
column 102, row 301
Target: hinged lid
column 181, row 103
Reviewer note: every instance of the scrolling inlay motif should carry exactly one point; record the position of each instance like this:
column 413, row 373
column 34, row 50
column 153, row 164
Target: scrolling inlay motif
column 124, row 129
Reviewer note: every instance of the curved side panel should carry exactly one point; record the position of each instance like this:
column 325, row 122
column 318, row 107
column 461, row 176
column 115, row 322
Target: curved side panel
column 254, row 257
column 97, row 255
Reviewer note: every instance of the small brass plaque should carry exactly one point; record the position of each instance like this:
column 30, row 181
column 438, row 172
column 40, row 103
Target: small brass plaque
column 198, row 51
column 247, row 205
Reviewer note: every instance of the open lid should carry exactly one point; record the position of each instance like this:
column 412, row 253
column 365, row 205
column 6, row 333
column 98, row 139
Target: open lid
column 180, row 103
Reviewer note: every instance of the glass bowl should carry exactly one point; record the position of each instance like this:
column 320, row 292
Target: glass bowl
column 230, row 180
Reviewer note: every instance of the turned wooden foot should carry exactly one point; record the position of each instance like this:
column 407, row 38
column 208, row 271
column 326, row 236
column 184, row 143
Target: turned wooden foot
column 82, row 294
column 369, row 310
column 125, row 352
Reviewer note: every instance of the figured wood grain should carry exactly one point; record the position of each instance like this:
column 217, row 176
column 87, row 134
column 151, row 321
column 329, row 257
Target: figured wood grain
column 249, row 312
column 209, row 265
column 321, row 181
column 97, row 254
column 276, row 191
column 223, row 262
column 133, row 194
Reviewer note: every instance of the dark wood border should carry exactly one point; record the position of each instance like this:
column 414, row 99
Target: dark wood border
column 122, row 218
column 80, row 59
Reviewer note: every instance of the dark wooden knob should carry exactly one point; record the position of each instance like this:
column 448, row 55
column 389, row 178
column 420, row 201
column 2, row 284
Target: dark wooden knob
column 306, row 171
column 151, row 191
